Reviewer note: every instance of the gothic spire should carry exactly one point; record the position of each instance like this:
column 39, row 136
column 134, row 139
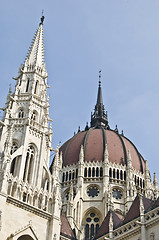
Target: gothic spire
column 99, row 117
column 99, row 96
column 35, row 56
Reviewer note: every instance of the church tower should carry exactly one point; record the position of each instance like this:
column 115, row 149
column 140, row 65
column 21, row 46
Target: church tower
column 25, row 145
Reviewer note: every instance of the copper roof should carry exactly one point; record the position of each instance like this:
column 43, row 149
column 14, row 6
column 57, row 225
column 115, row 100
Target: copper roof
column 66, row 228
column 94, row 141
column 104, row 228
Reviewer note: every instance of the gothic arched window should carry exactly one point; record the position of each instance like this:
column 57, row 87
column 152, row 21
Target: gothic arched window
column 27, row 85
column 36, row 87
column 101, row 172
column 85, row 172
column 29, row 164
column 21, row 113
column 14, row 161
column 34, row 116
column 92, row 222
column 97, row 172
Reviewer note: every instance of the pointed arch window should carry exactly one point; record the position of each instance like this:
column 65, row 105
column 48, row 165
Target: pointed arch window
column 92, row 222
column 36, row 87
column 21, row 113
column 97, row 172
column 14, row 161
column 27, row 85
column 34, row 116
column 85, row 172
column 29, row 164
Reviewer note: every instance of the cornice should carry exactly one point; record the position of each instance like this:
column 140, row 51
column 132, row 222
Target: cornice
column 29, row 208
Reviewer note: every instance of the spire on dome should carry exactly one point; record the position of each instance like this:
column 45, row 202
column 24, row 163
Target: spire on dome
column 99, row 117
column 35, row 56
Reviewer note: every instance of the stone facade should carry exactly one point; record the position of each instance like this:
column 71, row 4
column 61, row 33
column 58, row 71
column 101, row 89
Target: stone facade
column 98, row 185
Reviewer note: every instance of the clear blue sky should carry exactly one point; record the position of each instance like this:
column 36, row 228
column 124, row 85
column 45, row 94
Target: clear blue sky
column 120, row 37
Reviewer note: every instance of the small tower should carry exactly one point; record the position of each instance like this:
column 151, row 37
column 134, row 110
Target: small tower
column 129, row 181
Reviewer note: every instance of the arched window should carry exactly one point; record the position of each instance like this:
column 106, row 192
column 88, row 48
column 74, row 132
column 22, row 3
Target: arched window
column 113, row 173
column 85, row 172
column 124, row 176
column 76, row 173
column 121, row 175
column 66, row 176
column 110, row 172
column 27, row 85
column 87, row 231
column 34, row 116
column 21, row 113
column 135, row 179
column 92, row 222
column 69, row 176
column 89, row 172
column 36, row 87
column 93, row 172
column 73, row 175
column 14, row 148
column 140, row 182
column 117, row 174
column 63, row 177
column 101, row 172
column 29, row 164
column 97, row 172
column 14, row 161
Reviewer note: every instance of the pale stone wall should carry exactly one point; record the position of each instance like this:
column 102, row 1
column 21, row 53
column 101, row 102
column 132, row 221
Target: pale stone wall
column 15, row 220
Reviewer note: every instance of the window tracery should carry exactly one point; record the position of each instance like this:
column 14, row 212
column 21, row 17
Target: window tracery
column 92, row 223
column 29, row 164
column 14, row 161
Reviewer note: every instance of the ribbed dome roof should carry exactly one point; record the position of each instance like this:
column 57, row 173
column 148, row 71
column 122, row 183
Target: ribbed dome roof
column 94, row 141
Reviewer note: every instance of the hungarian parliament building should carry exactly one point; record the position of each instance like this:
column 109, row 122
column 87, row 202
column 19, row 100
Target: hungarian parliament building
column 98, row 185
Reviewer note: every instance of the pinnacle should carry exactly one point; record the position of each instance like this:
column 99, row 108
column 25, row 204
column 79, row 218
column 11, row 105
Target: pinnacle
column 35, row 55
column 99, row 118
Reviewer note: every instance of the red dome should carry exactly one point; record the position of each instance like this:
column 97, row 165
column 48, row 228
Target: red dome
column 94, row 141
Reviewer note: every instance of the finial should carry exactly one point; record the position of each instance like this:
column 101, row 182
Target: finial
column 10, row 89
column 79, row 129
column 116, row 128
column 42, row 18
column 86, row 128
column 106, row 115
column 122, row 133
column 100, row 78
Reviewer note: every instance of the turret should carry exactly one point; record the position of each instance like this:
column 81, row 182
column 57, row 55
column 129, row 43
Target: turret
column 105, row 170
column 80, row 170
column 129, row 181
column 155, row 183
